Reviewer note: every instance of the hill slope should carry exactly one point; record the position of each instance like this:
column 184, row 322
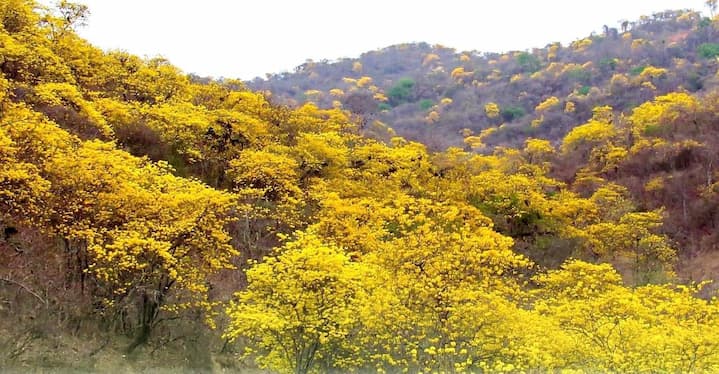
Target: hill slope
column 440, row 97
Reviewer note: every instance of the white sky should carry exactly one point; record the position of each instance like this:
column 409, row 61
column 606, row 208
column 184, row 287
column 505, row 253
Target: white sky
column 245, row 39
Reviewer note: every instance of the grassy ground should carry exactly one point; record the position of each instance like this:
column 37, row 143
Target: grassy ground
column 32, row 341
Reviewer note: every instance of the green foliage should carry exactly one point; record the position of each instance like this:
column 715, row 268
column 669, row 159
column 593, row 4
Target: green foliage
column 401, row 92
column 584, row 90
column 426, row 104
column 652, row 130
column 637, row 70
column 384, row 106
column 512, row 113
column 529, row 63
column 708, row 50
column 608, row 63
column 580, row 75
column 694, row 82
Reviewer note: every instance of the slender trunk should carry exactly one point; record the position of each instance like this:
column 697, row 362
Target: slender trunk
column 142, row 337
column 75, row 262
column 709, row 173
column 148, row 315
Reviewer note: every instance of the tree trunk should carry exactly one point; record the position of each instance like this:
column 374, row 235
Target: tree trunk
column 150, row 308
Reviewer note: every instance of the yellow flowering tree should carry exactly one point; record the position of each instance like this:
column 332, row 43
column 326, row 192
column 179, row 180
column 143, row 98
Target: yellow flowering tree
column 620, row 329
column 300, row 308
column 491, row 110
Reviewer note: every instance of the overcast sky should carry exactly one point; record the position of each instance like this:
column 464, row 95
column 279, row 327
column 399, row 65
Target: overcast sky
column 245, row 39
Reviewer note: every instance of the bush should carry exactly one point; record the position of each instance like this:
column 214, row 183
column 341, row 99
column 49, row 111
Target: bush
column 608, row 63
column 426, row 104
column 708, row 50
column 401, row 92
column 584, row 90
column 579, row 75
column 528, row 62
column 511, row 113
column 637, row 70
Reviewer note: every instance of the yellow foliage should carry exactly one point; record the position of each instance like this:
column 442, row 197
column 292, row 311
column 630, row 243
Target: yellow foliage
column 651, row 72
column 582, row 44
column 610, row 156
column 665, row 108
column 66, row 95
column 654, row 184
column 592, row 132
column 545, row 105
column 142, row 228
column 364, row 82
column 22, row 189
column 313, row 94
column 604, row 114
column 553, row 49
column 628, row 330
column 484, row 134
column 430, row 58
column 537, row 149
column 391, row 259
column 618, row 83
column 491, row 110
column 569, row 107
column 320, row 154
column 466, row 132
column 537, row 122
column 638, row 43
column 379, row 96
column 494, row 75
column 4, row 87
column 301, row 305
column 459, row 74
column 275, row 175
column 336, row 92
column 474, row 142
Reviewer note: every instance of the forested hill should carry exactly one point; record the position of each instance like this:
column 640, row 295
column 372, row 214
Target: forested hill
column 441, row 97
column 153, row 221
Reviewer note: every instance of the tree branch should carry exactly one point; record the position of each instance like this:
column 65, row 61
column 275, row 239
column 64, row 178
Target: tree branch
column 24, row 287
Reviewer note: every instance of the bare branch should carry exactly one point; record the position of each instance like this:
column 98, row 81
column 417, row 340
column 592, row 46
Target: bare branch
column 26, row 288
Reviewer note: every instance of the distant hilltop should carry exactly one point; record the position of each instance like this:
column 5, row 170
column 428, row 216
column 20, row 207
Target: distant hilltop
column 439, row 96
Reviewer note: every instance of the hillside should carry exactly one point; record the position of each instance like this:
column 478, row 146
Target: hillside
column 155, row 221
column 442, row 97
